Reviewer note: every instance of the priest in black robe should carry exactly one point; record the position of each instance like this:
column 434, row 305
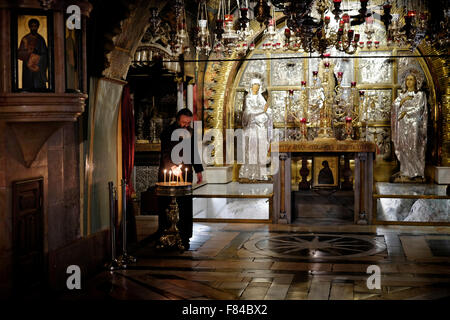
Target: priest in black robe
column 185, row 224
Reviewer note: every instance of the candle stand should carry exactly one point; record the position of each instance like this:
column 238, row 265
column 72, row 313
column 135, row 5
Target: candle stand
column 171, row 236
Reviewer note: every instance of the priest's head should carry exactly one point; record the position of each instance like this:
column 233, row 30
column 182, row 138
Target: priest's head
column 184, row 118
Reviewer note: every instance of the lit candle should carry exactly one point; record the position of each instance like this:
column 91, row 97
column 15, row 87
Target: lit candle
column 165, row 175
column 185, row 175
column 170, row 176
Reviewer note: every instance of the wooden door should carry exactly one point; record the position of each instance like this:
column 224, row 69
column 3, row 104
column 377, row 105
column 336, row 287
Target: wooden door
column 28, row 233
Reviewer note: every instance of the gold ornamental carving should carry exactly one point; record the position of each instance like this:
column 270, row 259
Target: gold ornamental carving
column 326, row 145
column 171, row 237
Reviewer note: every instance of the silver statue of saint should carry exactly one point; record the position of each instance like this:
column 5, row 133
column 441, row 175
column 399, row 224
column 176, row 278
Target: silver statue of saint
column 258, row 132
column 409, row 131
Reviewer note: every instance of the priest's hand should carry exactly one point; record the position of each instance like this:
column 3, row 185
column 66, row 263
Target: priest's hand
column 176, row 171
column 199, row 177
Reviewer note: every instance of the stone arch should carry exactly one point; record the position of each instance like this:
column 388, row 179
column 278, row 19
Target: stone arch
column 117, row 27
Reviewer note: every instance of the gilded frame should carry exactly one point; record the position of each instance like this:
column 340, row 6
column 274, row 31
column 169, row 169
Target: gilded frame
column 20, row 20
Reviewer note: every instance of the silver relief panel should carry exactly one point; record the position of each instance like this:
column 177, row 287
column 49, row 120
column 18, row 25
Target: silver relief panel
column 294, row 105
column 379, row 104
column 254, row 66
column 278, row 105
column 381, row 136
column 146, row 176
column 345, row 65
column 285, row 72
column 375, row 70
column 280, row 101
column 278, row 134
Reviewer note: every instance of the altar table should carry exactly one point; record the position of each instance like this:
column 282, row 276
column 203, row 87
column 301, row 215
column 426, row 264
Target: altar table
column 363, row 153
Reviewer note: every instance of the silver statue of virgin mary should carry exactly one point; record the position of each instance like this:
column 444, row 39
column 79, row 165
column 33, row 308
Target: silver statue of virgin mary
column 409, row 131
column 258, row 132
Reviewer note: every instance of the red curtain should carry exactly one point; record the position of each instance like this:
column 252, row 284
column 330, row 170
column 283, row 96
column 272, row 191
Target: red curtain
column 128, row 139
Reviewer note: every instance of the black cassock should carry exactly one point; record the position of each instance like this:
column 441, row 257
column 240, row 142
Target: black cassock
column 184, row 203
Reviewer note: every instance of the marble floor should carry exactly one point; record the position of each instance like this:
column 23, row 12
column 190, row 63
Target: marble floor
column 256, row 261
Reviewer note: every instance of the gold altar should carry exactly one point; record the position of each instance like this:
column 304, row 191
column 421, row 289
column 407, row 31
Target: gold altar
column 363, row 153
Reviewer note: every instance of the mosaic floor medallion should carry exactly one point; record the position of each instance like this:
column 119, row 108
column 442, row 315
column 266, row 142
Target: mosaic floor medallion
column 320, row 246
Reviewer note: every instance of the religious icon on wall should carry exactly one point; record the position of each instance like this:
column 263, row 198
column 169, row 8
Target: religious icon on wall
column 32, row 54
column 74, row 72
column 326, row 171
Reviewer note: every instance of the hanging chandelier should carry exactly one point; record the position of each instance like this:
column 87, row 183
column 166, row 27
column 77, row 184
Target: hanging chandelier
column 262, row 12
column 202, row 35
column 308, row 33
column 305, row 33
column 272, row 41
column 423, row 21
column 312, row 26
column 180, row 41
column 226, row 38
column 245, row 34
